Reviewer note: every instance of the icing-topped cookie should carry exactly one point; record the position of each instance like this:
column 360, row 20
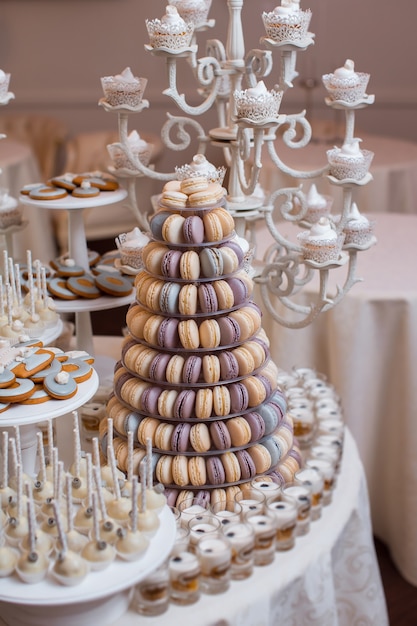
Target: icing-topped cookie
column 60, row 386
column 20, row 390
column 83, row 286
column 113, row 285
column 79, row 369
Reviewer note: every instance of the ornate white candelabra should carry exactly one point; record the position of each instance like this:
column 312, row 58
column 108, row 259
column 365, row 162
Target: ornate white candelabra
column 249, row 123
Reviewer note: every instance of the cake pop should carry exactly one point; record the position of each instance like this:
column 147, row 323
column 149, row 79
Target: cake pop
column 78, row 469
column 50, row 525
column 107, row 472
column 75, row 541
column 69, row 568
column 43, row 541
column 131, row 542
column 32, row 564
column 119, row 507
column 83, row 521
column 8, row 556
column 148, row 520
column 18, row 526
column 108, row 527
column 97, row 552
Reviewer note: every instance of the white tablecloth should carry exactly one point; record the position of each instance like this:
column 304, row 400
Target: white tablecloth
column 367, row 347
column 330, row 578
column 394, row 171
column 18, row 168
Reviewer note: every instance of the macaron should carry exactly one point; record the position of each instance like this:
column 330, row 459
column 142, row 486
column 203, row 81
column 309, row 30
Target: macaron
column 151, row 329
column 170, row 264
column 193, row 184
column 245, row 360
column 269, row 416
column 207, row 298
column 237, row 249
column 168, row 333
column 200, row 437
column 239, row 397
column 189, row 334
column 152, row 295
column 191, row 369
column 257, row 392
column 256, row 424
column 180, row 437
column 146, row 430
column 156, row 223
column 184, row 404
column 211, row 262
column 211, row 368
column 207, row 197
column 204, row 403
column 197, row 471
column 136, row 318
column 245, row 322
column 202, row 498
column 239, row 430
column 221, row 400
column 230, row 260
column 272, row 444
column 212, row 227
column 215, row 471
column 229, row 331
column 187, row 300
column 180, row 470
column 190, row 265
column 239, row 290
column 163, row 435
column 246, row 463
column 226, row 220
column 224, row 295
column 220, row 435
column 163, row 469
column 169, row 298
column 166, row 402
column 229, row 367
column 209, row 333
column 172, row 228
column 158, row 366
column 261, row 457
column 149, row 400
column 231, row 467
column 174, row 199
column 155, row 258
column 193, row 229
column 174, row 368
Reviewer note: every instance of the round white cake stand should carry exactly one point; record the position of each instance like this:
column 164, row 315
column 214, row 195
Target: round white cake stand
column 28, row 416
column 77, row 250
column 100, row 599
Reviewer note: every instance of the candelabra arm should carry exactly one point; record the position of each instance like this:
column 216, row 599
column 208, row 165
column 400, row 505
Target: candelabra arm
column 133, row 204
column 350, row 125
column 258, row 64
column 208, row 74
column 288, row 137
column 245, row 142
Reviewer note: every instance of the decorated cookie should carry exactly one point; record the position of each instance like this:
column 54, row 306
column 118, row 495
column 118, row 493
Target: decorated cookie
column 113, row 285
column 60, row 386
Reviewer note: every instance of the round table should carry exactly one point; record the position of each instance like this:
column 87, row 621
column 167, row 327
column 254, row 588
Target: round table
column 367, row 348
column 19, row 167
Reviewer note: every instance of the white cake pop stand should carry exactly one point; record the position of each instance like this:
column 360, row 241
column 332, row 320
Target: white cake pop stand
column 100, row 599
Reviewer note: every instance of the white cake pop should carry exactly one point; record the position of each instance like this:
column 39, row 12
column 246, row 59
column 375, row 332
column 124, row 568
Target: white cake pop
column 108, row 527
column 132, row 543
column 41, row 541
column 75, row 540
column 119, row 507
column 43, row 488
column 148, row 520
column 32, row 564
column 69, row 568
column 97, row 552
column 84, row 518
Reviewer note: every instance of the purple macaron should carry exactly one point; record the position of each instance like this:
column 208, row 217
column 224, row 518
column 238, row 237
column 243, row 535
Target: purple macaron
column 229, row 366
column 193, row 229
column 202, row 498
column 215, row 471
column 233, row 245
column 239, row 397
column 220, row 435
column 247, row 466
column 149, row 400
column 191, row 369
column 170, row 264
column 184, row 404
column 158, row 366
column 207, row 298
column 239, row 289
column 257, row 426
column 180, row 437
column 229, row 331
column 168, row 336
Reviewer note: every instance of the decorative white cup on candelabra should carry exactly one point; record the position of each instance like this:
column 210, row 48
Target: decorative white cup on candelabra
column 194, row 11
column 123, row 89
column 287, row 23
column 349, row 161
column 257, row 104
column 345, row 84
column 171, row 31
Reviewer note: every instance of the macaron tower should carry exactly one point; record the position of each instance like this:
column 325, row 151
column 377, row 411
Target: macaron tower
column 195, row 380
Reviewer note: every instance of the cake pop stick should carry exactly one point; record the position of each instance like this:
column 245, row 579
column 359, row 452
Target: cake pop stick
column 18, row 525
column 44, row 288
column 32, row 564
column 12, row 281
column 44, row 488
column 9, row 305
column 61, row 534
column 134, row 514
column 130, row 456
column 156, row 499
column 1, row 297
column 50, row 444
column 143, row 469
column 149, row 478
column 6, row 492
column 41, row 541
column 75, row 540
column 84, row 517
column 31, row 519
column 38, row 278
column 31, row 295
column 79, row 467
column 5, row 267
column 109, row 529
column 18, row 286
column 148, row 521
column 132, row 543
column 119, row 507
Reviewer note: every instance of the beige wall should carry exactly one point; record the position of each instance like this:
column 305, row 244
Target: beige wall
column 57, row 50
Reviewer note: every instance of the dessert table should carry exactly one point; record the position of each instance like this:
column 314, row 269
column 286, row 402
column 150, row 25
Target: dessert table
column 394, row 171
column 367, row 348
column 331, row 576
column 19, row 167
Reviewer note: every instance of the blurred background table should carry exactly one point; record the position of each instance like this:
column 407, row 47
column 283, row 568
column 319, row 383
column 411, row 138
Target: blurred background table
column 394, row 171
column 367, row 348
column 20, row 167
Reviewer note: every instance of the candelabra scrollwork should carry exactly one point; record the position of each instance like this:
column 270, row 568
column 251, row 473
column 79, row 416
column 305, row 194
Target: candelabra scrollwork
column 250, row 125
